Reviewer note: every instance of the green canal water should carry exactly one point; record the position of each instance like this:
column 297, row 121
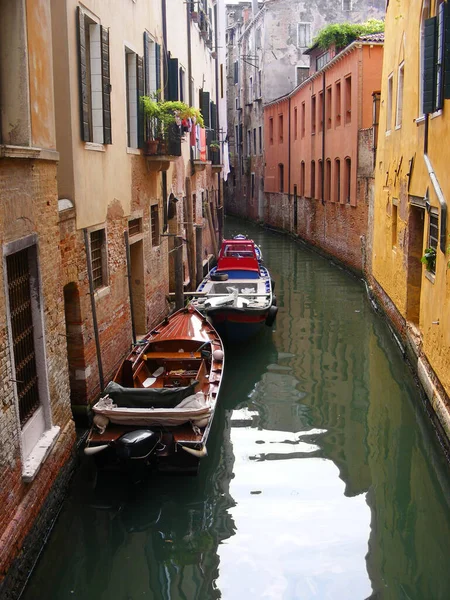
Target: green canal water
column 324, row 477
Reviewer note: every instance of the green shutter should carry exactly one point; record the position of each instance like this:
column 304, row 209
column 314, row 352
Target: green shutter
column 158, row 68
column 172, row 89
column 204, row 108
column 82, row 75
column 213, row 117
column 106, row 86
column 429, row 65
column 140, row 93
column 146, row 63
column 446, row 51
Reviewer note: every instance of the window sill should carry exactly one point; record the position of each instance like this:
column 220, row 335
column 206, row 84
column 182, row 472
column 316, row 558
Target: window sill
column 39, row 453
column 102, row 292
column 94, row 147
column 11, row 151
column 430, row 276
column 397, row 127
column 438, row 113
column 136, row 151
column 420, row 120
column 388, row 132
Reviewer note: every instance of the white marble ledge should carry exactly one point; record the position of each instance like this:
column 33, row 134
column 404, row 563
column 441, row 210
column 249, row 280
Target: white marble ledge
column 39, row 453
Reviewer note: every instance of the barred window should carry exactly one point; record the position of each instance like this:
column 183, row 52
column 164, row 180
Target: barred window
column 98, row 262
column 134, row 226
column 154, row 217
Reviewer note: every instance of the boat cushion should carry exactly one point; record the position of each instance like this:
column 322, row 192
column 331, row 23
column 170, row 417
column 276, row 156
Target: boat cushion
column 148, row 397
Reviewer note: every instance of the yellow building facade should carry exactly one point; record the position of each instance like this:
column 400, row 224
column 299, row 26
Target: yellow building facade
column 411, row 276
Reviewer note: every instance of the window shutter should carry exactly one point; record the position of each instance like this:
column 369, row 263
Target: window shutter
column 446, row 51
column 204, row 107
column 158, row 68
column 172, row 90
column 429, row 65
column 140, row 93
column 213, row 117
column 146, row 63
column 106, row 87
column 439, row 100
column 82, row 74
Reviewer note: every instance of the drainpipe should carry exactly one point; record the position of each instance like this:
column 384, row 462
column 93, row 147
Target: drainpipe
column 437, row 189
column 323, row 138
column 219, row 207
column 189, row 71
column 289, row 150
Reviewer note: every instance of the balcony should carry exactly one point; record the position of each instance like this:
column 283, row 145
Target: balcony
column 163, row 150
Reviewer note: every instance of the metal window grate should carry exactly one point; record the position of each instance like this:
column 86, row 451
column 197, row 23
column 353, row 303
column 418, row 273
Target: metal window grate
column 21, row 318
column 134, row 226
column 97, row 240
column 434, row 231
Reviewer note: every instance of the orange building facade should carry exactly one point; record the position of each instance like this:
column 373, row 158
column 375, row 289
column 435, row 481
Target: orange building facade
column 320, row 145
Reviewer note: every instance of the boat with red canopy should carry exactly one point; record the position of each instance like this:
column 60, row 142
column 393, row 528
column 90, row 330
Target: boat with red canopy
column 237, row 294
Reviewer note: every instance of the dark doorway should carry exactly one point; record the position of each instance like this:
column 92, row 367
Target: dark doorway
column 415, row 250
column 75, row 345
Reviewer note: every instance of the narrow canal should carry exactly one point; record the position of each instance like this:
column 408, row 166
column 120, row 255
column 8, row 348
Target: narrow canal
column 324, row 477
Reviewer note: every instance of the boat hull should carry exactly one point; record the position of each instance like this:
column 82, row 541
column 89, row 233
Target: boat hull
column 237, row 326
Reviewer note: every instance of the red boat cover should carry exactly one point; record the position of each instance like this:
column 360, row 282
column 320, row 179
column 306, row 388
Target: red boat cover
column 238, row 255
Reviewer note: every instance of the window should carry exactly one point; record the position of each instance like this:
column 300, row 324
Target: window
column 271, row 131
column 295, row 123
column 346, row 5
column 302, row 178
column 303, row 120
column 337, row 180
column 95, row 97
column 236, row 72
column 348, row 100
column 254, row 140
column 132, row 98
column 249, row 142
column 433, row 236
column 236, row 138
column 337, row 101
column 134, row 226
column 399, row 111
column 302, row 74
column 322, row 60
column 154, row 219
column 260, row 139
column 320, row 111
column 390, row 92
column 328, row 108
column 152, row 67
column 303, row 35
column 281, row 177
column 425, row 15
column 280, row 129
column 182, row 85
column 313, row 115
column 313, row 179
column 194, row 208
column 259, row 90
column 98, row 258
column 440, row 56
column 394, row 221
column 348, row 180
column 253, row 185
column 320, row 186
column 327, row 195
column 250, row 90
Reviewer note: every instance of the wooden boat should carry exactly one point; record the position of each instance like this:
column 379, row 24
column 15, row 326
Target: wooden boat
column 158, row 410
column 237, row 294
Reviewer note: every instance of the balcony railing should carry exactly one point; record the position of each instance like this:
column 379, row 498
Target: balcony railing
column 167, row 143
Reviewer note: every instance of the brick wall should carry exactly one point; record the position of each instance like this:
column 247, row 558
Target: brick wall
column 29, row 206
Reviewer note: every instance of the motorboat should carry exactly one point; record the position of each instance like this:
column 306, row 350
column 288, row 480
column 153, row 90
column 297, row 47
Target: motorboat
column 158, row 409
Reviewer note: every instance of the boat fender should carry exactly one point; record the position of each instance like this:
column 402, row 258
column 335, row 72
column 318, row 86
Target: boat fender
column 218, row 355
column 219, row 277
column 198, row 453
column 101, row 422
column 90, row 450
column 271, row 316
column 202, row 422
column 274, row 300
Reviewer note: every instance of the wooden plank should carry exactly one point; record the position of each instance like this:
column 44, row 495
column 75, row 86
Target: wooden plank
column 174, row 355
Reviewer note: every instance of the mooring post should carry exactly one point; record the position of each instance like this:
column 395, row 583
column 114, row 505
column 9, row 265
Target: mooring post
column 179, row 278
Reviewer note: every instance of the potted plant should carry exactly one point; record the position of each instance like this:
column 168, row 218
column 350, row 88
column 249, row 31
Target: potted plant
column 429, row 259
column 152, row 114
column 214, row 146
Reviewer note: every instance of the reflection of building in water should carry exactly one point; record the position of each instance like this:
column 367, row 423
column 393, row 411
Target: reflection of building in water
column 318, row 322
column 410, row 493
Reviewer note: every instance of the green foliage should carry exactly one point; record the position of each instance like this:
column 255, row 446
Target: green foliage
column 215, row 145
column 343, row 34
column 429, row 259
column 160, row 114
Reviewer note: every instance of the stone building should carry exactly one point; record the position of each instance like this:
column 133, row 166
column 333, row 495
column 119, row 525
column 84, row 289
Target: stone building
column 37, row 433
column 118, row 195
column 411, row 221
column 88, row 215
column 320, row 151
column 266, row 44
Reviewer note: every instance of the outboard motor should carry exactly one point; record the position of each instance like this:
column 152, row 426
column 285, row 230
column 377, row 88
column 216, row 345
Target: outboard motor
column 137, row 445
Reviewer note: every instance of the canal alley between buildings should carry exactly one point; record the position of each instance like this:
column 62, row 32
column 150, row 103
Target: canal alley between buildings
column 324, row 477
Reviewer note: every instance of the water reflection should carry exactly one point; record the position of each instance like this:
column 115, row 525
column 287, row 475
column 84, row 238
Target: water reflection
column 324, row 478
